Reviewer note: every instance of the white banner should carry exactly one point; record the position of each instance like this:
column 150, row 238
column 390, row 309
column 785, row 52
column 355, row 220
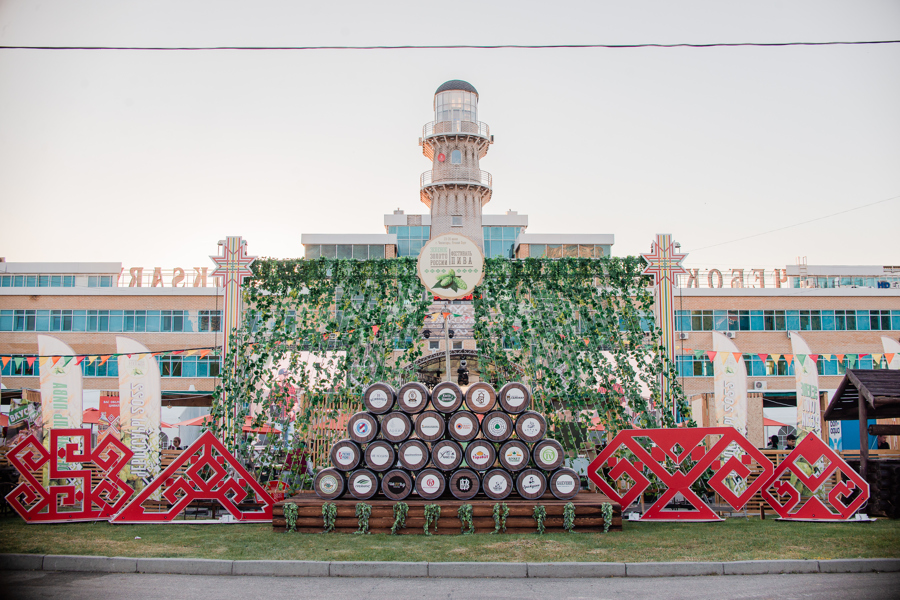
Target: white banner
column 806, row 374
column 140, row 400
column 730, row 384
column 891, row 352
column 61, row 386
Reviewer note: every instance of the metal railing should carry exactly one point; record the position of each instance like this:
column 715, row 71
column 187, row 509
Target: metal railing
column 451, row 127
column 456, row 174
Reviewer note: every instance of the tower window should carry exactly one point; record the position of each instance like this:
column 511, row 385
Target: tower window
column 456, row 157
column 456, row 221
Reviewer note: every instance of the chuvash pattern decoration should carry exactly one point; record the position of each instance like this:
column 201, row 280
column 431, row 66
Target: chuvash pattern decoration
column 679, row 457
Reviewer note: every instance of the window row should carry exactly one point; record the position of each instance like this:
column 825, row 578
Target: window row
column 346, row 251
column 836, row 282
column 787, row 320
column 691, row 366
column 169, row 366
column 56, row 280
column 111, row 320
column 500, row 242
column 567, row 251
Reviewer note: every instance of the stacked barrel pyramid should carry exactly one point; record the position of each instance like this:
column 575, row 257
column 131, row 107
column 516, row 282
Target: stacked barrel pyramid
column 428, row 443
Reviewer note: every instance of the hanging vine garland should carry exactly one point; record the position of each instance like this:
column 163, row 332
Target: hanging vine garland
column 432, row 514
column 290, row 517
column 329, row 515
column 501, row 511
column 467, row 524
column 607, row 510
column 363, row 512
column 540, row 513
column 569, row 517
column 400, row 511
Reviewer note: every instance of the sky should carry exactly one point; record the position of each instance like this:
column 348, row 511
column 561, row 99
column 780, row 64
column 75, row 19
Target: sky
column 149, row 158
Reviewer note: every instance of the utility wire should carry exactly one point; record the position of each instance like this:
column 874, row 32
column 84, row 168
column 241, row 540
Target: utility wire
column 463, row 46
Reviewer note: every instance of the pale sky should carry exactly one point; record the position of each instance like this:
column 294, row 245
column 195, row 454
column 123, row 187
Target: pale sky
column 149, row 158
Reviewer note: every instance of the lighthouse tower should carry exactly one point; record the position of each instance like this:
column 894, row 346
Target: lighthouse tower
column 455, row 189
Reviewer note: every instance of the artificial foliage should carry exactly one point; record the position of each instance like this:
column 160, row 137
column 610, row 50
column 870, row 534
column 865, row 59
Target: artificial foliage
column 363, row 512
column 607, row 510
column 467, row 524
column 569, row 517
column 329, row 515
column 432, row 514
column 501, row 511
column 290, row 517
column 400, row 511
column 540, row 514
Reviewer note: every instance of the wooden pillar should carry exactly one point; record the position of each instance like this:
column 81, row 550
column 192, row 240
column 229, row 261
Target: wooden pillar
column 863, row 438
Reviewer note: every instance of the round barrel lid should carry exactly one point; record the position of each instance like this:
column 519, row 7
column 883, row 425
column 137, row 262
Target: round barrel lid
column 514, row 455
column 565, row 484
column 497, row 426
column 379, row 398
column 531, row 426
column 412, row 397
column 446, row 455
column 362, row 427
column 464, row 484
column 345, row 455
column 430, row 426
column 396, row 484
column 413, row 455
column 548, row 454
column 497, row 484
column 446, row 397
column 463, row 426
column 480, row 455
column 395, row 427
column 515, row 397
column 380, row 456
column 329, row 484
column 481, row 397
column 531, row 484
column 362, row 484
column 430, row 484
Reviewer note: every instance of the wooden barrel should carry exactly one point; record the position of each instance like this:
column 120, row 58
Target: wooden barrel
column 345, row 455
column 413, row 455
column 480, row 455
column 380, row 456
column 514, row 455
column 463, row 426
column 446, row 397
column 430, row 426
column 481, row 397
column 362, row 427
column 547, row 454
column 531, row 426
column 531, row 484
column 497, row 426
column 514, row 397
column 396, row 484
column 412, row 397
column 497, row 484
column 395, row 427
column 362, row 484
column 464, row 484
column 446, row 455
column 564, row 484
column 379, row 398
column 329, row 484
column 430, row 484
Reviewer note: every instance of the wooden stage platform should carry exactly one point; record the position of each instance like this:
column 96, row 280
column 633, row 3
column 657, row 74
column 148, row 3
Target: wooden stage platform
column 588, row 514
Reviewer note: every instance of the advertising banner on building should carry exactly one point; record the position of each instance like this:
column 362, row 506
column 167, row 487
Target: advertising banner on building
column 809, row 411
column 891, row 352
column 61, row 388
column 140, row 399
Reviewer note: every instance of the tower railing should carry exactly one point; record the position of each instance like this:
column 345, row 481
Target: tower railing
column 453, row 174
column 451, row 127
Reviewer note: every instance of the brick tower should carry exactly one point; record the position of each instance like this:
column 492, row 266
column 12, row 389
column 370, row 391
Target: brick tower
column 456, row 189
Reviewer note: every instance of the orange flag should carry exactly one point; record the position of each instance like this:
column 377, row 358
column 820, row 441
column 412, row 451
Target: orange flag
column 104, row 358
column 5, row 360
column 737, row 356
column 55, row 359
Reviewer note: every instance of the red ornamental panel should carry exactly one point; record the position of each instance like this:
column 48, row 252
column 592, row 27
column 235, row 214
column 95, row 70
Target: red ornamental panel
column 810, row 467
column 678, row 457
column 210, row 472
column 77, row 499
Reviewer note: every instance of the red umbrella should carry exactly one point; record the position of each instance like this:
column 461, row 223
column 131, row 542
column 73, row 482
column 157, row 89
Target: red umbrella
column 90, row 416
column 195, row 422
column 767, row 422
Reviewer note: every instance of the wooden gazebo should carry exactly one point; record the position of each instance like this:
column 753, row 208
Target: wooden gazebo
column 864, row 395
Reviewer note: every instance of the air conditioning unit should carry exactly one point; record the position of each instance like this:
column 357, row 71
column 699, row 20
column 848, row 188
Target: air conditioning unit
column 759, row 385
column 731, row 334
column 683, row 335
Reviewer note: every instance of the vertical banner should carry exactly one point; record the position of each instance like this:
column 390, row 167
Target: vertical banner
column 730, row 381
column 809, row 411
column 140, row 400
column 891, row 352
column 109, row 414
column 60, row 385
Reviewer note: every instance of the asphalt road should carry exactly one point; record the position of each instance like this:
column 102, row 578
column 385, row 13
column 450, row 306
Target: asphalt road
column 90, row 586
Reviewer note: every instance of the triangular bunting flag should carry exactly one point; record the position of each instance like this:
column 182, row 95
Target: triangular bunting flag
column 725, row 356
column 30, row 361
column 828, row 356
column 862, row 355
column 698, row 353
column 711, row 354
column 788, row 358
column 18, row 361
column 840, row 357
column 814, row 357
column 737, row 356
column 586, row 341
column 68, row 360
column 776, row 357
column 79, row 359
column 876, row 358
column 375, row 329
column 4, row 360
column 203, row 353
column 178, row 352
column 55, row 359
column 801, row 358
column 889, row 357
column 190, row 352
column 851, row 360
column 105, row 358
column 763, row 357
column 92, row 359
column 687, row 350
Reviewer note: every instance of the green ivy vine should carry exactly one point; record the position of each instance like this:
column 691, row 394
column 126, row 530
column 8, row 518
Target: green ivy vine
column 432, row 514
column 540, row 513
column 400, row 511
column 501, row 511
column 363, row 512
column 467, row 524
column 607, row 510
column 329, row 515
column 290, row 517
column 569, row 517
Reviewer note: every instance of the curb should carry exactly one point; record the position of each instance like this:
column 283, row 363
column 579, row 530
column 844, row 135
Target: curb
column 469, row 570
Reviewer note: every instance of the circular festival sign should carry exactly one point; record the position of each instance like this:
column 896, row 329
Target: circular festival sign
column 450, row 266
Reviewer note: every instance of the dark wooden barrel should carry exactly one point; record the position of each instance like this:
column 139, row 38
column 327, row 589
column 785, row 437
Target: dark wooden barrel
column 446, row 397
column 514, row 397
column 430, row 426
column 396, row 484
column 395, row 427
column 464, row 484
column 362, row 427
column 547, row 454
column 531, row 426
column 514, row 455
column 497, row 484
column 446, row 455
column 329, row 484
column 345, row 455
column 379, row 398
column 481, row 397
column 497, row 426
column 480, row 455
column 430, row 484
column 380, row 456
column 362, row 484
column 413, row 397
column 531, row 484
column 463, row 426
column 564, row 483
column 413, row 455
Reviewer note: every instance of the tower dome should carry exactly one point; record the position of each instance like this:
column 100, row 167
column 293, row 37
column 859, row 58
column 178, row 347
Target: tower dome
column 457, row 84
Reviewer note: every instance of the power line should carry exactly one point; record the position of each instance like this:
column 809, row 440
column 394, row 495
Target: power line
column 797, row 224
column 463, row 46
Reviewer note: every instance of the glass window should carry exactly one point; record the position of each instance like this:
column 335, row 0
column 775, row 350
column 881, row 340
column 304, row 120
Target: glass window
column 376, row 251
column 329, row 251
column 720, row 320
column 6, row 320
column 792, row 318
column 862, row 320
column 344, row 251
column 456, row 221
column 455, row 157
column 313, row 251
column 360, row 252
column 537, row 250
column 42, row 322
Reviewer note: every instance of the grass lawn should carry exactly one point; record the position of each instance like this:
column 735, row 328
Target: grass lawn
column 733, row 539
